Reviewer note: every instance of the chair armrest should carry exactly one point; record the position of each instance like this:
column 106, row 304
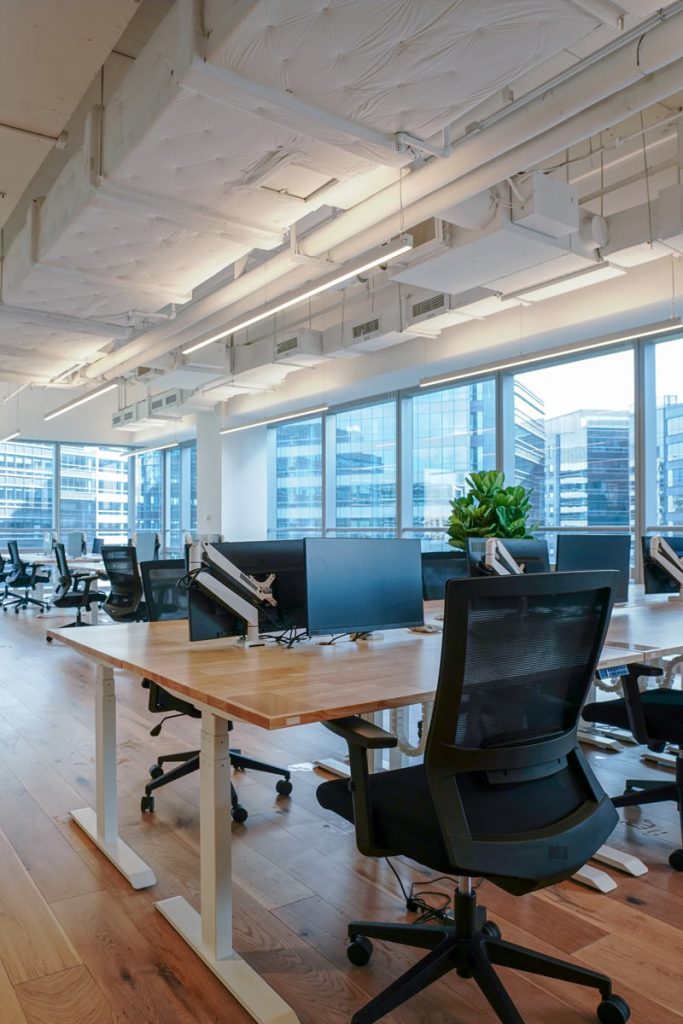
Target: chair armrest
column 362, row 736
column 634, row 706
column 355, row 730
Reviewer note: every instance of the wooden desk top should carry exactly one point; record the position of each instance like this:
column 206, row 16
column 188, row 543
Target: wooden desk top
column 271, row 686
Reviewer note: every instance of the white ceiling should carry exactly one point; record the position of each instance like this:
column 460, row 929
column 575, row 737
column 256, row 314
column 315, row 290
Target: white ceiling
column 217, row 139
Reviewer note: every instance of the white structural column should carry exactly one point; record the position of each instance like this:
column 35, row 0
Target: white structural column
column 102, row 824
column 210, row 933
column 245, row 484
column 209, row 472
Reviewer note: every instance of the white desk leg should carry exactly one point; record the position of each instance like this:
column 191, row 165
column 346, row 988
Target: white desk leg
column 102, row 825
column 210, row 934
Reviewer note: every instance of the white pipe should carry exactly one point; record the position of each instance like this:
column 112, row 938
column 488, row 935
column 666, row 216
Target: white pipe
column 559, row 118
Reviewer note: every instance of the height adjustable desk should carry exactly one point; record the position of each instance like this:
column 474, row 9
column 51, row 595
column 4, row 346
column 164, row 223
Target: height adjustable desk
column 267, row 686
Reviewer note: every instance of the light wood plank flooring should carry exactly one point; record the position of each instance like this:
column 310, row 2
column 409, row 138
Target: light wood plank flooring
column 78, row 946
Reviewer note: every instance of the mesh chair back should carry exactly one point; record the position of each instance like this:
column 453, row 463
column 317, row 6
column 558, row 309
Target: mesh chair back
column 163, row 597
column 121, row 566
column 512, row 790
column 13, row 548
column 64, row 581
column 437, row 568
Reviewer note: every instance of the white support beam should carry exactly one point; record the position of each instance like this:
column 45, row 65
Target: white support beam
column 134, row 202
column 288, row 111
column 603, row 10
column 75, row 324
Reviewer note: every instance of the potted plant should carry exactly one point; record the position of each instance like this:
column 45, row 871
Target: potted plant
column 489, row 509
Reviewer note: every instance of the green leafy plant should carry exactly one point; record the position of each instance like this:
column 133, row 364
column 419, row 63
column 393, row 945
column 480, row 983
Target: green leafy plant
column 489, row 509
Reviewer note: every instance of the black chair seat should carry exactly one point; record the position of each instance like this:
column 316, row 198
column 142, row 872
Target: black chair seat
column 663, row 710
column 77, row 600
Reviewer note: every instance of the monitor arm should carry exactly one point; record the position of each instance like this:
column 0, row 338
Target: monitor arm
column 227, row 585
column 499, row 560
column 664, row 556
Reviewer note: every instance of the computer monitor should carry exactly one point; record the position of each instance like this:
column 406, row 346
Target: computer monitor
column 285, row 558
column 576, row 552
column 361, row 585
column 437, row 568
column 656, row 579
column 530, row 554
column 97, row 545
column 75, row 544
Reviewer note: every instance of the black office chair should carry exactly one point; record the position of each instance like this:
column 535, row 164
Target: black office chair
column 6, row 570
column 437, row 568
column 504, row 793
column 164, row 600
column 97, row 545
column 26, row 576
column 73, row 589
column 123, row 603
column 655, row 717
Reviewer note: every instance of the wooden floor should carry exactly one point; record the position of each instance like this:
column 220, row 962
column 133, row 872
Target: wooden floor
column 78, row 946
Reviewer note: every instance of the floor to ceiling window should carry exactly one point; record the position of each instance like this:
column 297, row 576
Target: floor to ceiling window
column 166, row 495
column 27, row 475
column 296, row 458
column 365, row 470
column 93, row 492
column 669, row 413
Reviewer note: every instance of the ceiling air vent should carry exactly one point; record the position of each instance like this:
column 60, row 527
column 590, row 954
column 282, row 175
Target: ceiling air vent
column 365, row 330
column 434, row 304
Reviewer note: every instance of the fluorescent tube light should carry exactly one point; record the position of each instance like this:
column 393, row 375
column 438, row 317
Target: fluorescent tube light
column 75, row 402
column 567, row 283
column 10, row 437
column 367, row 262
column 277, row 419
column 647, row 331
column 146, row 451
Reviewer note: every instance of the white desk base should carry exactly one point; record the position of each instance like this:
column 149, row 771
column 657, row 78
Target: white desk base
column 102, row 825
column 208, row 934
column 241, row 980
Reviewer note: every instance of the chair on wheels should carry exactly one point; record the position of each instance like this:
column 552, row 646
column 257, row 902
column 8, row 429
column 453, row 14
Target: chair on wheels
column 73, row 589
column 26, row 575
column 437, row 568
column 164, row 600
column 123, row 603
column 655, row 718
column 504, row 793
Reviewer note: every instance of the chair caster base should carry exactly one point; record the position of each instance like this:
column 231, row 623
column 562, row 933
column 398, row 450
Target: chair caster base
column 156, row 771
column 676, row 860
column 147, row 804
column 284, row 787
column 239, row 814
column 613, row 1010
column 359, row 951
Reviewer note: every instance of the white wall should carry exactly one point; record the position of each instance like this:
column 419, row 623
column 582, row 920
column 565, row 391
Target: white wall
column 245, row 485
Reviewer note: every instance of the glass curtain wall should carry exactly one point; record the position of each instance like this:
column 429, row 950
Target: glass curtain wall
column 27, row 487
column 297, row 474
column 93, row 493
column 166, row 495
column 669, row 414
column 365, row 489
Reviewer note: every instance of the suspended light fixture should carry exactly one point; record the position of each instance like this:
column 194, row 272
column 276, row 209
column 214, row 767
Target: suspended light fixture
column 378, row 256
column 10, row 437
column 156, row 448
column 277, row 419
column 75, row 402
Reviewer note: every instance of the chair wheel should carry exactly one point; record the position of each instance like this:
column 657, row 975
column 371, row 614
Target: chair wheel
column 491, row 929
column 16, row 611
column 49, row 639
column 613, row 1010
column 359, row 951
column 676, row 860
column 284, row 787
column 147, row 804
column 156, row 771
column 239, row 814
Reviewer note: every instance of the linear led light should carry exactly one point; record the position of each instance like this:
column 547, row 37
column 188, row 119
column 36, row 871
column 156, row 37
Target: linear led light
column 66, row 373
column 562, row 350
column 10, row 437
column 146, row 451
column 277, row 419
column 367, row 262
column 75, row 402
column 567, row 283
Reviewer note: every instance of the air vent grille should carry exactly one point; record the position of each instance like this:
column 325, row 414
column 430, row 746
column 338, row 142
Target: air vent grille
column 431, row 305
column 289, row 345
column 365, row 330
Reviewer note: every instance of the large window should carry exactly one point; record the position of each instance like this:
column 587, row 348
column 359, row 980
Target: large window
column 453, row 434
column 365, row 469
column 93, row 492
column 574, row 441
column 669, row 391
column 166, row 495
column 149, row 492
column 298, row 478
column 27, row 472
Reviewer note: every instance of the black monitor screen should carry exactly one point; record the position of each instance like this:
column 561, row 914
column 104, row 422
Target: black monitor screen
column 285, row 558
column 657, row 580
column 531, row 555
column 437, row 568
column 361, row 585
column 576, row 552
